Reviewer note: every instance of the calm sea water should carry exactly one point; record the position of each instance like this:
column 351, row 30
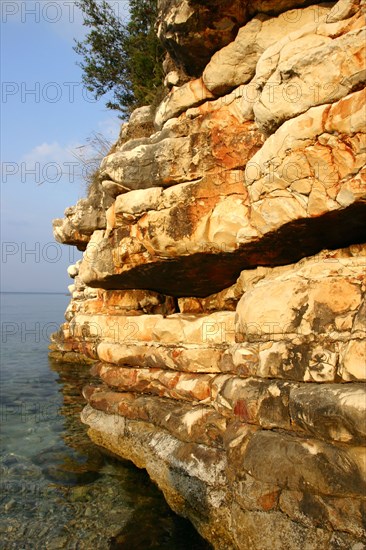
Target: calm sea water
column 58, row 490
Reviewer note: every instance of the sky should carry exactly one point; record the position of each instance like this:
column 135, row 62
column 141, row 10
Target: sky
column 46, row 114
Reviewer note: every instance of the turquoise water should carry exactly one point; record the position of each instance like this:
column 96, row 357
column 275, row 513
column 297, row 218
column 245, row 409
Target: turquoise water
column 58, row 490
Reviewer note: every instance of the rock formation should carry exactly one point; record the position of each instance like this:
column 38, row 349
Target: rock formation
column 221, row 295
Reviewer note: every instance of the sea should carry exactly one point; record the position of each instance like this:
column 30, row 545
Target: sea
column 59, row 490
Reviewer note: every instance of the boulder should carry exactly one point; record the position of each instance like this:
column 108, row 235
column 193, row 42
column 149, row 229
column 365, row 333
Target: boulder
column 307, row 74
column 236, row 63
column 180, row 99
column 81, row 221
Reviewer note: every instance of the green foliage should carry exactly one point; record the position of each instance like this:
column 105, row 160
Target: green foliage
column 125, row 59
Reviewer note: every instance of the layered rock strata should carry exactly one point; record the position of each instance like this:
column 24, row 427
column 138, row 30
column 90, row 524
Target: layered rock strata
column 221, row 295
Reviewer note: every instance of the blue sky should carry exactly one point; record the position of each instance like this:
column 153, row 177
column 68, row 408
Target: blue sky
column 46, row 113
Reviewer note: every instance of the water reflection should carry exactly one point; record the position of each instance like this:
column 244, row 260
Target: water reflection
column 60, row 491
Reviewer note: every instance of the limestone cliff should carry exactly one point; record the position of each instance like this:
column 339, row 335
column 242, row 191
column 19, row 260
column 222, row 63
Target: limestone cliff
column 221, row 295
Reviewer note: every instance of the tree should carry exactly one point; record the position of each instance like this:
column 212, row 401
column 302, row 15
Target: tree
column 125, row 59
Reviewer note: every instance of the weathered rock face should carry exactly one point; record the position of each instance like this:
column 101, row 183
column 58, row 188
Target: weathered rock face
column 193, row 30
column 236, row 63
column 221, row 296
column 82, row 220
column 238, row 211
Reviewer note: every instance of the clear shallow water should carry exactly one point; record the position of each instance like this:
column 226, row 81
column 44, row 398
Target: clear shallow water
column 58, row 490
